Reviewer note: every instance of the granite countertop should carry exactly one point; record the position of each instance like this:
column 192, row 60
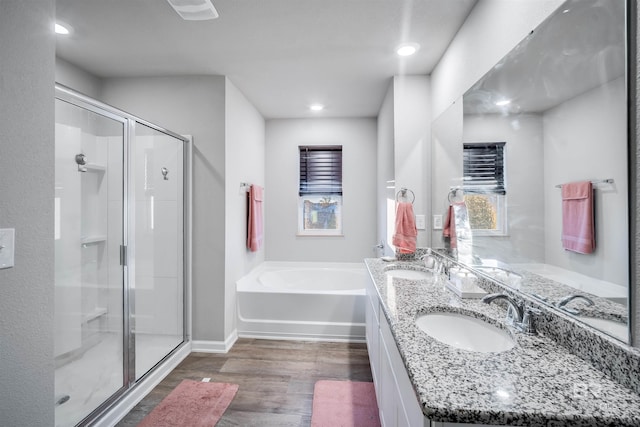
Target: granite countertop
column 537, row 383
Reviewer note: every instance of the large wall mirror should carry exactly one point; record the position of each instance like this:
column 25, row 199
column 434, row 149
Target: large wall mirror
column 550, row 114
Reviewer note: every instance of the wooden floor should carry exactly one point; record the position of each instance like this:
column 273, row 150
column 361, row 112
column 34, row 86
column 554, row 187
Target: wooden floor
column 276, row 379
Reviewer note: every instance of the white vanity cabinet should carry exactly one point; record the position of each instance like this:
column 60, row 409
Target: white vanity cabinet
column 397, row 403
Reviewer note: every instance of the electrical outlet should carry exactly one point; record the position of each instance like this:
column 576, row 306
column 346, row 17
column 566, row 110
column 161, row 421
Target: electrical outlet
column 420, row 222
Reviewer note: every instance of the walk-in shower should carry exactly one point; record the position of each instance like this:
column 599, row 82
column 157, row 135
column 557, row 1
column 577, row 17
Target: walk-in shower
column 120, row 250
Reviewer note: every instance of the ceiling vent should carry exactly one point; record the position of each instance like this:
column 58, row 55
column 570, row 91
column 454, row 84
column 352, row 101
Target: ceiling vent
column 194, row 10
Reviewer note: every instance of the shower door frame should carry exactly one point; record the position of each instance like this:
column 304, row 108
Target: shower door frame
column 129, row 121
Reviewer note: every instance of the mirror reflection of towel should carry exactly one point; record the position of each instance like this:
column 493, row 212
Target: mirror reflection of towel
column 578, row 230
column 404, row 239
column 449, row 229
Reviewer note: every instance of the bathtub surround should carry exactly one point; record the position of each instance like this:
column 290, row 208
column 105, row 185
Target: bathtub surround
column 302, row 301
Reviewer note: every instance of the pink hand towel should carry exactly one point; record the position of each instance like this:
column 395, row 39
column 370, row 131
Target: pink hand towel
column 404, row 239
column 578, row 230
column 254, row 223
column 450, row 228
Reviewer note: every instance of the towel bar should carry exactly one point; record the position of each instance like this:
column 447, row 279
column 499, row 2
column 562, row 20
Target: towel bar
column 599, row 181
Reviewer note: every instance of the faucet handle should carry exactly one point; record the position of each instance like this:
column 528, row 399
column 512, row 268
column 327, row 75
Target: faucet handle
column 528, row 320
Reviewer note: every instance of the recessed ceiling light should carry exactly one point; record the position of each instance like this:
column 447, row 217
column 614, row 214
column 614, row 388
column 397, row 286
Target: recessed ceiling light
column 62, row 28
column 407, row 49
column 316, row 107
column 503, row 102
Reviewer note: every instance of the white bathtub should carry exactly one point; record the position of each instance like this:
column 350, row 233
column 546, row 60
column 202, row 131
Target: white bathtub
column 303, row 300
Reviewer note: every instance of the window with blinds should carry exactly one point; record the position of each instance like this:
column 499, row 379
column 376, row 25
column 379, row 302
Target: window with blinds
column 483, row 165
column 320, row 170
column 320, row 191
column 484, row 188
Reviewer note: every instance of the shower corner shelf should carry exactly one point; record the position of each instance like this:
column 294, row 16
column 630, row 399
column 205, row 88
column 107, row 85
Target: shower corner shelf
column 95, row 167
column 95, row 314
column 93, row 239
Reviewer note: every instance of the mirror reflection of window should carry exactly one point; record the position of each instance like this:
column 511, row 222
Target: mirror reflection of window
column 485, row 188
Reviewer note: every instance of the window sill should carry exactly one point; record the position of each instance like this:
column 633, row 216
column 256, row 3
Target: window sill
column 318, row 235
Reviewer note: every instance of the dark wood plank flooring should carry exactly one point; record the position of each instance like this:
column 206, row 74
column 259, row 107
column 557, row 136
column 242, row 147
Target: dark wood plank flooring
column 276, row 379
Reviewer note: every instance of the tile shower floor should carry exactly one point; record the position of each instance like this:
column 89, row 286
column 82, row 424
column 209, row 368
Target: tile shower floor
column 98, row 373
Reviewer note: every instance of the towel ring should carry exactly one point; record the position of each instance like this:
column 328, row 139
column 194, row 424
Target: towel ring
column 453, row 193
column 403, row 193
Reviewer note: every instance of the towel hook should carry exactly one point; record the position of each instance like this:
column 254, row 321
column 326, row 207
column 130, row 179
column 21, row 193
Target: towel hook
column 403, row 193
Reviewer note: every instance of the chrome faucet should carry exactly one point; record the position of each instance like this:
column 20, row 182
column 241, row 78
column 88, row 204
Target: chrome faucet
column 566, row 300
column 518, row 315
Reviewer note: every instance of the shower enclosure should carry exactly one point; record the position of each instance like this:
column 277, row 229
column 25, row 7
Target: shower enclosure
column 120, row 251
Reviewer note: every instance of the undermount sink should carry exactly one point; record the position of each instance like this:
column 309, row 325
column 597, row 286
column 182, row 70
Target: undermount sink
column 409, row 274
column 465, row 332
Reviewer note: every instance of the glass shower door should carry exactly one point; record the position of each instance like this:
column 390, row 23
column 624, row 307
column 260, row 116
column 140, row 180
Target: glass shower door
column 157, row 246
column 89, row 281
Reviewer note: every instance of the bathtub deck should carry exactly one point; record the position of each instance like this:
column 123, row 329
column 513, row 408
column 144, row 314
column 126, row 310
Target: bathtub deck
column 276, row 379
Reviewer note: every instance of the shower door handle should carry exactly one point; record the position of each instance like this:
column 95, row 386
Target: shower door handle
column 123, row 255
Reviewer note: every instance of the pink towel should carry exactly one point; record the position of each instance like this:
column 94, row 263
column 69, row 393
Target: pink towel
column 578, row 233
column 254, row 223
column 449, row 229
column 406, row 233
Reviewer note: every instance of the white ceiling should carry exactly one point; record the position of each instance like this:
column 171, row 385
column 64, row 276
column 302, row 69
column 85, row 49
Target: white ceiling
column 282, row 54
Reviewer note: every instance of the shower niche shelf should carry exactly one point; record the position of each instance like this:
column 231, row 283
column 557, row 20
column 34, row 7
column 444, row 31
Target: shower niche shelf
column 93, row 239
column 95, row 167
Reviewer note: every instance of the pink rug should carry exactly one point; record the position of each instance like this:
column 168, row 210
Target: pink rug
column 193, row 404
column 344, row 404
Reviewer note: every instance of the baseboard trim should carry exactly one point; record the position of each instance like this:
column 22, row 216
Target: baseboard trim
column 120, row 409
column 302, row 337
column 201, row 346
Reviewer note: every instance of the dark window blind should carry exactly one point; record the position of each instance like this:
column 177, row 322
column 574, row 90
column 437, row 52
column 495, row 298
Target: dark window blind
column 483, row 165
column 320, row 170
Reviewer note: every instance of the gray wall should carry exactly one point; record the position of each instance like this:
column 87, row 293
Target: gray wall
column 244, row 152
column 385, row 171
column 27, row 49
column 358, row 140
column 79, row 80
column 193, row 105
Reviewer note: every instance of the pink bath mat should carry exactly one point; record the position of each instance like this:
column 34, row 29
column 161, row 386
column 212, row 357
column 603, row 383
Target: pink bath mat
column 193, row 404
column 344, row 404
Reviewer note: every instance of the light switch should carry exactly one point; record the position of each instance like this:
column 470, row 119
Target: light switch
column 437, row 222
column 420, row 222
column 7, row 238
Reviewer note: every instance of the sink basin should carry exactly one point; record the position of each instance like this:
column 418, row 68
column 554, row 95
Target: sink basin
column 409, row 274
column 465, row 332
column 611, row 327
